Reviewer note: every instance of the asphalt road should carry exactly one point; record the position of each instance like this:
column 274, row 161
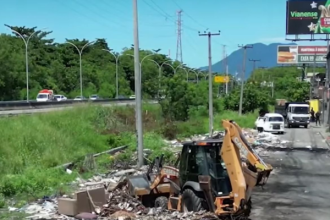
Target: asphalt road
column 299, row 188
column 44, row 110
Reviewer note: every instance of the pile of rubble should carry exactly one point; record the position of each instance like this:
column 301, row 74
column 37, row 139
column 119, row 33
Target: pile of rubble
column 102, row 197
column 106, row 197
column 261, row 142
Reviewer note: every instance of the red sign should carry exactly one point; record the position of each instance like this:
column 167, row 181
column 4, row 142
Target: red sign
column 312, row 49
column 325, row 22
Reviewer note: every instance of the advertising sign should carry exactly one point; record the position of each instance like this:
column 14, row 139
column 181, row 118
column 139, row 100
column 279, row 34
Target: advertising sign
column 293, row 54
column 308, row 17
column 221, row 79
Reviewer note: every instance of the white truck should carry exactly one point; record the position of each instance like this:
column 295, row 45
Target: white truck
column 45, row 95
column 297, row 114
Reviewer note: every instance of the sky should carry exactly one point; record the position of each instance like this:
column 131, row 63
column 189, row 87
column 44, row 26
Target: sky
column 240, row 22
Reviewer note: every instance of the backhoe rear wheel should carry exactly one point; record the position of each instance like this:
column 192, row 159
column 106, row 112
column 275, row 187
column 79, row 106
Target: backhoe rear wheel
column 248, row 208
column 190, row 201
column 161, row 201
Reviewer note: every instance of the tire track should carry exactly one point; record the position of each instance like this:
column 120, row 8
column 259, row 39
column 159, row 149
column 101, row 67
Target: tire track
column 312, row 138
column 292, row 138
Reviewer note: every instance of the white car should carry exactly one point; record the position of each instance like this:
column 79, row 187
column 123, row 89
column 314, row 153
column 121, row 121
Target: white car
column 271, row 122
column 132, row 97
column 94, row 97
column 60, row 98
column 79, row 98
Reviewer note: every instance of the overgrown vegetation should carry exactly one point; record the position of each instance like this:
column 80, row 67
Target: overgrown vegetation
column 33, row 145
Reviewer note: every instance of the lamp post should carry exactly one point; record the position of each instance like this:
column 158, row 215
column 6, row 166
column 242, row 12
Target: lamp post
column 159, row 74
column 117, row 80
column 149, row 55
column 196, row 73
column 167, row 64
column 26, row 43
column 80, row 51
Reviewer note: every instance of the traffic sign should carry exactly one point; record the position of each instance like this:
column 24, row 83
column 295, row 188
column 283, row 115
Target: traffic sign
column 221, row 79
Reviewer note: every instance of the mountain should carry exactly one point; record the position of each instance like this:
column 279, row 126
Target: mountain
column 267, row 54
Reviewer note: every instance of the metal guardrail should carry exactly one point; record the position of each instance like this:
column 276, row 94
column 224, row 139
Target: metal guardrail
column 21, row 105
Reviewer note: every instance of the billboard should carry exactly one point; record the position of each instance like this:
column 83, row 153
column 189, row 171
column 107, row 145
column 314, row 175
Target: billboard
column 221, row 79
column 307, row 17
column 293, row 54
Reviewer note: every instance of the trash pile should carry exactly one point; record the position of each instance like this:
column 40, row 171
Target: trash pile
column 261, row 142
column 117, row 205
column 106, row 196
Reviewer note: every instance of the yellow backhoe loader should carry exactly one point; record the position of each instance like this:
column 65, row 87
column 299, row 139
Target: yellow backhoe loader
column 212, row 175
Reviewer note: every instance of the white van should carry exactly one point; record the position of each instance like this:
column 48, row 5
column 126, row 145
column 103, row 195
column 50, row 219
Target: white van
column 274, row 123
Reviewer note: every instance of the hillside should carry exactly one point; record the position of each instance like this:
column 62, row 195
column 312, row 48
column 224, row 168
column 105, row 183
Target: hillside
column 266, row 53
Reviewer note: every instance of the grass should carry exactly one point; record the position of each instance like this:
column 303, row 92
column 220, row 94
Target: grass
column 33, row 145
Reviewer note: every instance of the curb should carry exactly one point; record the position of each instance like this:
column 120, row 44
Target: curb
column 326, row 140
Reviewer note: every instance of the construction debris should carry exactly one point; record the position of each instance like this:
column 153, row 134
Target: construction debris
column 106, row 196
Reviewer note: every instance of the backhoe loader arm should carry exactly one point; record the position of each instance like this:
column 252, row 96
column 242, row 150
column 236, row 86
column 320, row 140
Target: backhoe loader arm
column 231, row 157
column 256, row 163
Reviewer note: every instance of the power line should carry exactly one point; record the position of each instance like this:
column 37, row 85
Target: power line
column 243, row 76
column 179, row 40
column 192, row 18
column 209, row 36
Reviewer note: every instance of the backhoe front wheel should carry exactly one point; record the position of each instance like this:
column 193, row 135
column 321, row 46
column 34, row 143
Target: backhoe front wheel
column 190, row 201
column 161, row 201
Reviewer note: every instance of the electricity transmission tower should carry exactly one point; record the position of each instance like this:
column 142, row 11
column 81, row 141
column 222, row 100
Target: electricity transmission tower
column 179, row 40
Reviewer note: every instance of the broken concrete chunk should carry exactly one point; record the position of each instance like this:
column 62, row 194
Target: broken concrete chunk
column 86, row 215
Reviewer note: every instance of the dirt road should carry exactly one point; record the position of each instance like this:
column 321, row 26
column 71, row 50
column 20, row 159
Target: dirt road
column 299, row 189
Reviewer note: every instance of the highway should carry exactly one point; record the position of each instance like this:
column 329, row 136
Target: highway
column 59, row 108
column 299, row 187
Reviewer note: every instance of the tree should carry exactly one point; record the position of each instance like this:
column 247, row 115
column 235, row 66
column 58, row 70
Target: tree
column 254, row 97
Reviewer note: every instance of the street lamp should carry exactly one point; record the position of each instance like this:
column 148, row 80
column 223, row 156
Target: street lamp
column 167, row 64
column 26, row 42
column 117, row 82
column 196, row 73
column 149, row 55
column 159, row 74
column 180, row 66
column 80, row 62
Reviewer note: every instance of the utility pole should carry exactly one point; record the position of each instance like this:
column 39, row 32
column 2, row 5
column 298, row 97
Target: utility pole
column 138, row 95
column 313, row 79
column 179, row 41
column 254, row 65
column 327, row 84
column 225, row 64
column 262, row 74
column 209, row 36
column 227, row 74
column 243, row 76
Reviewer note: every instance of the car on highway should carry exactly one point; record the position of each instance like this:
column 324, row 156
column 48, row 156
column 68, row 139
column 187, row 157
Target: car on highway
column 121, row 97
column 271, row 122
column 94, row 97
column 132, row 97
column 60, row 98
column 79, row 98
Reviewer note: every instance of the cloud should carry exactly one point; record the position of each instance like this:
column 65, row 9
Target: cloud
column 273, row 40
